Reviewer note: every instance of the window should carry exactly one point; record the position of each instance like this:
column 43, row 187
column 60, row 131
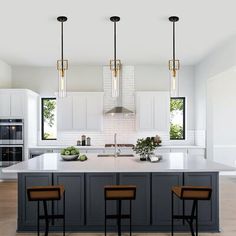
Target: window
column 177, row 118
column 49, row 119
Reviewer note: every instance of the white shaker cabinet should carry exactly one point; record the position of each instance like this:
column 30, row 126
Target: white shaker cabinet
column 64, row 113
column 152, row 111
column 80, row 111
column 12, row 103
column 94, row 112
column 5, row 104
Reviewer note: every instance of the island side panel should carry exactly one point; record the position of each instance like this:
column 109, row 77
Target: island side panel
column 161, row 199
column 208, row 210
column 141, row 205
column 74, row 196
column 95, row 203
column 27, row 211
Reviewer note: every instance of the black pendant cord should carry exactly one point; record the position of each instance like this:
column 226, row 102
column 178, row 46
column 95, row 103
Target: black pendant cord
column 115, row 46
column 62, row 42
column 174, row 45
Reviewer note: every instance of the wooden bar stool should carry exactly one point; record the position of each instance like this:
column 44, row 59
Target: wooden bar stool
column 119, row 193
column 45, row 194
column 189, row 193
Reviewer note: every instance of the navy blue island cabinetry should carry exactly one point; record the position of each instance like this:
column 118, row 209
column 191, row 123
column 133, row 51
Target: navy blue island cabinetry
column 85, row 200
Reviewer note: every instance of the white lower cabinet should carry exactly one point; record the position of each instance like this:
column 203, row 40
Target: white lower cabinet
column 80, row 111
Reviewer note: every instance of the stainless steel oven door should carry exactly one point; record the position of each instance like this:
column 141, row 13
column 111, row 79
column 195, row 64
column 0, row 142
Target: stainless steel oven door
column 11, row 133
column 11, row 154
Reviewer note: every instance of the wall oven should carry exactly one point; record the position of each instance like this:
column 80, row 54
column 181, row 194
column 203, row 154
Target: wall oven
column 10, row 154
column 11, row 131
column 11, row 141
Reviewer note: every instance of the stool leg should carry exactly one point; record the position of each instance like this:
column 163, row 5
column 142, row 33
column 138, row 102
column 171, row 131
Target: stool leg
column 46, row 217
column 196, row 218
column 105, row 218
column 172, row 213
column 192, row 217
column 38, row 218
column 130, row 221
column 64, row 214
column 119, row 218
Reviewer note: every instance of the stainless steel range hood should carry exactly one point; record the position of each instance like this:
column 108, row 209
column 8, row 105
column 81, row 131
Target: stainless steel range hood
column 119, row 109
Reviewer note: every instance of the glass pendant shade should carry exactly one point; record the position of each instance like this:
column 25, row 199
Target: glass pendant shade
column 174, row 78
column 115, row 74
column 62, row 71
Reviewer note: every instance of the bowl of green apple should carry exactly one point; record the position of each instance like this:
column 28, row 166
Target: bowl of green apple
column 70, row 153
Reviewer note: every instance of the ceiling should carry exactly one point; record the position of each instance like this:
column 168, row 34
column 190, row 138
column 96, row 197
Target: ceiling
column 30, row 33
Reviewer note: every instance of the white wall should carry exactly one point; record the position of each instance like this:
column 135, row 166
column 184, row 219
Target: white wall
column 5, row 75
column 221, row 117
column 218, row 61
column 43, row 80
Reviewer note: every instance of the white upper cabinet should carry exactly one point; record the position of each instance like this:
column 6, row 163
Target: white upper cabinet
column 162, row 111
column 152, row 111
column 12, row 103
column 5, row 104
column 94, row 112
column 80, row 111
column 17, row 104
column 144, row 111
column 64, row 113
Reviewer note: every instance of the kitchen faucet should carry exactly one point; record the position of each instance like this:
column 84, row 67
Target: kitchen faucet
column 117, row 151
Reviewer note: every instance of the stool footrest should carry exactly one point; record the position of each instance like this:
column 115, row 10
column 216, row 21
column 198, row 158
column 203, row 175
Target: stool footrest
column 123, row 216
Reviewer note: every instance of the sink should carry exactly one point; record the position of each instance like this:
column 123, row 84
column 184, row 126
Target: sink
column 113, row 155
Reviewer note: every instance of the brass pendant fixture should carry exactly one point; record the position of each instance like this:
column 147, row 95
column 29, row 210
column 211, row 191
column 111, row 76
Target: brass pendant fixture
column 174, row 64
column 62, row 64
column 115, row 65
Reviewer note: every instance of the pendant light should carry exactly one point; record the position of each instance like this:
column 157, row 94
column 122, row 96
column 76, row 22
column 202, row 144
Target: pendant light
column 115, row 65
column 62, row 65
column 174, row 64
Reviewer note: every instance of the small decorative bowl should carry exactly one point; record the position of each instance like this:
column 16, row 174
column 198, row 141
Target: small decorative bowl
column 69, row 157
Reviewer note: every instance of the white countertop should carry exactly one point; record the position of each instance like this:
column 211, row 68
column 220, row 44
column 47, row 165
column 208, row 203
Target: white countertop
column 171, row 162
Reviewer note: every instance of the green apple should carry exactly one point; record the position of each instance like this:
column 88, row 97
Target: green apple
column 83, row 158
column 67, row 153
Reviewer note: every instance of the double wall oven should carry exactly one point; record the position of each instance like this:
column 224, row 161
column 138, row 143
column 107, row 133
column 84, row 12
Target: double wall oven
column 11, row 141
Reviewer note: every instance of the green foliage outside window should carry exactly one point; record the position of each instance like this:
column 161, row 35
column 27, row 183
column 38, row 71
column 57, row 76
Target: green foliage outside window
column 177, row 118
column 48, row 117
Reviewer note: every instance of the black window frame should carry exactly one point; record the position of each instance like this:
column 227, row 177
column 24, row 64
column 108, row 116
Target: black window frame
column 42, row 118
column 184, row 112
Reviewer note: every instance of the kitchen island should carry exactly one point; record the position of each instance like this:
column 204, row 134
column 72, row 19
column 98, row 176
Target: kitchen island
column 84, row 183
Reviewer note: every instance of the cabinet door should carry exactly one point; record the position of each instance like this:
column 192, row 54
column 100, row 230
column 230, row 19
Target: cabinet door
column 161, row 111
column 94, row 112
column 74, row 195
column 208, row 210
column 144, row 111
column 95, row 211
column 141, row 205
column 64, row 113
column 17, row 104
column 161, row 198
column 27, row 211
column 79, row 112
column 5, row 104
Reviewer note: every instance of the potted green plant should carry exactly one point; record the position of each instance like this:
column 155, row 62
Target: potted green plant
column 145, row 147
